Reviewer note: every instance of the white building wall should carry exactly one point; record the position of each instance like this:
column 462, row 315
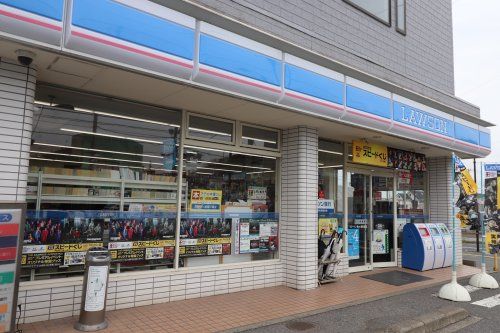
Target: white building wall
column 440, row 194
column 299, row 207
column 17, row 91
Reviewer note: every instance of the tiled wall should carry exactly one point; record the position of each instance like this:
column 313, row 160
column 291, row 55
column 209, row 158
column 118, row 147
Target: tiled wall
column 299, row 207
column 17, row 90
column 440, row 203
column 62, row 297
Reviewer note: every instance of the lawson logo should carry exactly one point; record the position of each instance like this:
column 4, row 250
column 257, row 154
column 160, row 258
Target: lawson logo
column 5, row 217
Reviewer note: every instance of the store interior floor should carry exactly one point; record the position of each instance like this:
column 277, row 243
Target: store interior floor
column 250, row 308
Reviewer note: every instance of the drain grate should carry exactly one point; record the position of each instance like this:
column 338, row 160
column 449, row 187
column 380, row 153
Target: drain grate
column 299, row 326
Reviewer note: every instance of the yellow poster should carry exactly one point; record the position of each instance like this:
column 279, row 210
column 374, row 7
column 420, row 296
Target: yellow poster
column 325, row 226
column 492, row 239
column 468, row 184
column 205, row 201
column 369, row 153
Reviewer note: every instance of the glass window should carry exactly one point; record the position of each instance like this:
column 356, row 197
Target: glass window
column 401, row 16
column 330, row 188
column 209, row 129
column 259, row 137
column 231, row 213
column 378, row 9
column 101, row 172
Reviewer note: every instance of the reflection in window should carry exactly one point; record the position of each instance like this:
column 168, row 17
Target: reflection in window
column 210, row 129
column 379, row 9
column 401, row 16
column 259, row 137
column 230, row 216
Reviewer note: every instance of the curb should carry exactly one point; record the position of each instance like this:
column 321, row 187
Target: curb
column 430, row 322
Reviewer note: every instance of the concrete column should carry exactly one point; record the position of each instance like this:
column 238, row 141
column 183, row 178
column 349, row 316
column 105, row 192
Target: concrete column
column 299, row 216
column 17, row 91
column 440, row 203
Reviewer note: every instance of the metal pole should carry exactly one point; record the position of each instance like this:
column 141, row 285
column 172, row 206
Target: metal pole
column 481, row 219
column 454, row 264
column 180, row 169
column 477, row 211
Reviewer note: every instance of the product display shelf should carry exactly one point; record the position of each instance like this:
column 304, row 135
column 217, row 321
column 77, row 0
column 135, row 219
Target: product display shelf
column 115, row 184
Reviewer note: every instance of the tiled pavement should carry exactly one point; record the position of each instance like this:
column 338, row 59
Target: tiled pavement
column 247, row 308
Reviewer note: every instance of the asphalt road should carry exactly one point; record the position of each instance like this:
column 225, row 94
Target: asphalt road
column 374, row 315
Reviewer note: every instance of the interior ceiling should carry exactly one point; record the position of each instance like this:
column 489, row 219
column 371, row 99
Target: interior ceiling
column 74, row 73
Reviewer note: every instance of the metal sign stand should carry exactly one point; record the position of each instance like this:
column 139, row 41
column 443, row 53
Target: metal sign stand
column 454, row 291
column 483, row 280
column 12, row 217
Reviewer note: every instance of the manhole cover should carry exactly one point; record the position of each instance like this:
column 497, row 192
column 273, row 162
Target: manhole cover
column 299, row 326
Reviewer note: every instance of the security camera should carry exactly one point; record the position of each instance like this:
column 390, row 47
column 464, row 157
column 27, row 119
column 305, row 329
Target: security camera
column 24, row 57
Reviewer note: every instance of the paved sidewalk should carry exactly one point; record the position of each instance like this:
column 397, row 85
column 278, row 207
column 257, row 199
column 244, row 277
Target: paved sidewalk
column 248, row 308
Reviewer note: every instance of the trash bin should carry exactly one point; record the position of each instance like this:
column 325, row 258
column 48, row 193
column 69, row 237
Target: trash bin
column 94, row 291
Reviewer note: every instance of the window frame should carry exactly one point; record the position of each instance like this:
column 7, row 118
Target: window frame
column 387, row 23
column 240, row 136
column 233, row 134
column 396, row 3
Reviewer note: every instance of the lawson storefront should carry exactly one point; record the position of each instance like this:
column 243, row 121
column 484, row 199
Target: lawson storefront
column 199, row 157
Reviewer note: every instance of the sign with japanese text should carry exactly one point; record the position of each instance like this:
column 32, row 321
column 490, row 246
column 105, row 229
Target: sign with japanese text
column 369, row 153
column 205, row 201
column 468, row 185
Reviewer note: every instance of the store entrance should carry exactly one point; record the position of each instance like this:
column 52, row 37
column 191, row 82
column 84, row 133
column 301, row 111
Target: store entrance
column 370, row 220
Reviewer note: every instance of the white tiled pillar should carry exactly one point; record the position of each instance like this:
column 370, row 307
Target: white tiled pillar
column 299, row 216
column 440, row 203
column 17, row 91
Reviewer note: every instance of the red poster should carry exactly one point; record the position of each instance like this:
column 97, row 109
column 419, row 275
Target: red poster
column 9, row 229
column 8, row 253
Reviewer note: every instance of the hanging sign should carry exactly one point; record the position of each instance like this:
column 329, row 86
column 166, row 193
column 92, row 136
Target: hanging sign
column 169, row 153
column 467, row 184
column 369, row 153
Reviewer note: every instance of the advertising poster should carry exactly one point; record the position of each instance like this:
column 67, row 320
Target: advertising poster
column 55, row 238
column 353, row 243
column 491, row 206
column 205, row 237
column 205, row 201
column 257, row 193
column 258, row 235
column 380, row 242
column 326, row 221
column 406, row 160
column 369, row 153
column 468, row 185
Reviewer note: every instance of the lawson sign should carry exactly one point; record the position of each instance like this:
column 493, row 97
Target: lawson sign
column 5, row 218
column 424, row 120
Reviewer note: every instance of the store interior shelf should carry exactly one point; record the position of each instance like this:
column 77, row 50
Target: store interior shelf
column 149, row 201
column 78, row 198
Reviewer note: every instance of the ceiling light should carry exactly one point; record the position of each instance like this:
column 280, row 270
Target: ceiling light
column 205, row 173
column 111, row 136
column 93, row 149
column 94, row 157
column 209, row 131
column 261, row 140
column 331, row 166
column 42, row 103
column 256, row 172
column 102, row 164
column 330, row 152
column 228, row 170
column 229, row 152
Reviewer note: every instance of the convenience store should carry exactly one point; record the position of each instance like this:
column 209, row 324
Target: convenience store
column 115, row 107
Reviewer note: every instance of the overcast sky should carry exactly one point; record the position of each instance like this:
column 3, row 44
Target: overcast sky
column 476, row 30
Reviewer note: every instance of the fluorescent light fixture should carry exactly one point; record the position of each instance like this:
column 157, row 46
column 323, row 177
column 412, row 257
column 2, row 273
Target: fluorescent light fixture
column 331, row 166
column 256, row 172
column 215, row 169
column 205, row 173
column 101, row 164
column 229, row 152
column 228, row 164
column 111, row 136
column 209, row 131
column 113, row 115
column 93, row 149
column 261, row 140
column 330, row 152
column 42, row 103
column 94, row 157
